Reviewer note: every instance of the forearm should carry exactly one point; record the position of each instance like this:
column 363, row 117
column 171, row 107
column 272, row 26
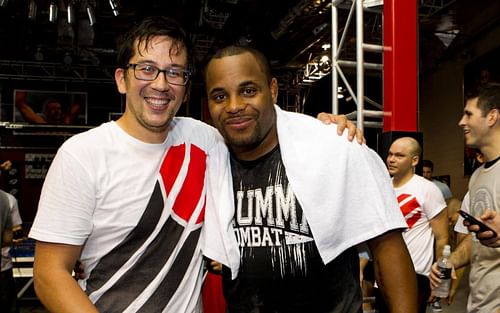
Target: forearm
column 54, row 285
column 439, row 225
column 440, row 243
column 394, row 272
column 59, row 292
column 461, row 256
column 7, row 237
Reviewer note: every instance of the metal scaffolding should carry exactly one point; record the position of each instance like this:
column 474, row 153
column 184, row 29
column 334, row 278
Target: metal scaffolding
column 356, row 8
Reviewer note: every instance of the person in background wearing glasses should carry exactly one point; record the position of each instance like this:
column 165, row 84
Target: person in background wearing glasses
column 128, row 198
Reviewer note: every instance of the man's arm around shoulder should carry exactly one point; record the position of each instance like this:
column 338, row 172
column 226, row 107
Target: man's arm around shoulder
column 394, row 272
column 54, row 285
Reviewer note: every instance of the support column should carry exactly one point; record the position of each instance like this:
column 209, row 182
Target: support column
column 400, row 65
column 400, row 73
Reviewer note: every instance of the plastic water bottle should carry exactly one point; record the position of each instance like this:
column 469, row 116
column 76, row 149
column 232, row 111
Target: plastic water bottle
column 444, row 267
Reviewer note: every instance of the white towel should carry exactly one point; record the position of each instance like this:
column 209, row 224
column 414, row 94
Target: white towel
column 343, row 187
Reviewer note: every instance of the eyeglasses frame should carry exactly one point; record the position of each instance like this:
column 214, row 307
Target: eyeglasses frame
column 164, row 71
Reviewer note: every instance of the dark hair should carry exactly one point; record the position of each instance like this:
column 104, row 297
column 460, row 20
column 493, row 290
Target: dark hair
column 237, row 50
column 429, row 164
column 488, row 97
column 148, row 28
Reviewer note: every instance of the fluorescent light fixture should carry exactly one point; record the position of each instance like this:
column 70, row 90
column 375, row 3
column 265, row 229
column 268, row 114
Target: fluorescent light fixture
column 70, row 11
column 52, row 12
column 91, row 15
column 32, row 10
column 114, row 7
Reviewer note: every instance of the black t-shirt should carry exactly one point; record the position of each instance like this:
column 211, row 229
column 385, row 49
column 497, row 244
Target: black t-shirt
column 281, row 269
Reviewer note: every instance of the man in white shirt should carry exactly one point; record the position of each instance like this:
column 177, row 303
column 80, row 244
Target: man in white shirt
column 424, row 209
column 481, row 125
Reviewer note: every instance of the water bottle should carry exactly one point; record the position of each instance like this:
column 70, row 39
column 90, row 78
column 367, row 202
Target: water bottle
column 444, row 267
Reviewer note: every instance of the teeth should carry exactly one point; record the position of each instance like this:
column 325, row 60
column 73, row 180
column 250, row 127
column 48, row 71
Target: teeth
column 157, row 102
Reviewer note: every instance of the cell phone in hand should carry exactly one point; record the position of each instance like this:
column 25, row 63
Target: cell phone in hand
column 474, row 221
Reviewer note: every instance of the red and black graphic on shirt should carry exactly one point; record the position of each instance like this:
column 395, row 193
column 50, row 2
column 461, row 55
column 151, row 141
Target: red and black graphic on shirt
column 410, row 208
column 133, row 282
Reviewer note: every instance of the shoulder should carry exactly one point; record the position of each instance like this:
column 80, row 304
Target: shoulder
column 12, row 199
column 194, row 131
column 429, row 186
column 91, row 137
column 298, row 129
column 3, row 195
column 301, row 120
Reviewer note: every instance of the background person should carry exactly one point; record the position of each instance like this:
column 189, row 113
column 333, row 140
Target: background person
column 52, row 111
column 424, row 209
column 8, row 286
column 481, row 125
column 427, row 172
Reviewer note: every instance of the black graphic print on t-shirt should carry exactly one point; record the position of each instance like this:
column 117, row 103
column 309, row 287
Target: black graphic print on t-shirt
column 269, row 225
column 281, row 269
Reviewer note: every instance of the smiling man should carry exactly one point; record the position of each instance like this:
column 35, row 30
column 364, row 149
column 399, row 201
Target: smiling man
column 304, row 198
column 481, row 125
column 127, row 198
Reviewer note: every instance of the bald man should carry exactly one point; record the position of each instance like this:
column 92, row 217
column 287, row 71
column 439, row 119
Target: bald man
column 424, row 209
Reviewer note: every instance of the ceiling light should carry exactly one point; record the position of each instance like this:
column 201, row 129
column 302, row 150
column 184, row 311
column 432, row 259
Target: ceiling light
column 52, row 12
column 70, row 10
column 39, row 55
column 325, row 64
column 91, row 15
column 67, row 59
column 114, row 7
column 32, row 10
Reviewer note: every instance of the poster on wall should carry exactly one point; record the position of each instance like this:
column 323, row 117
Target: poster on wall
column 50, row 107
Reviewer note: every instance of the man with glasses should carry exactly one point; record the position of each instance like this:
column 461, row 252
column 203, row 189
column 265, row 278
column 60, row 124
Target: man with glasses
column 128, row 198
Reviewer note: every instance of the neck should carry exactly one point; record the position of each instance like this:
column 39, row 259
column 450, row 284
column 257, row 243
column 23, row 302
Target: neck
column 400, row 180
column 141, row 133
column 491, row 150
column 253, row 152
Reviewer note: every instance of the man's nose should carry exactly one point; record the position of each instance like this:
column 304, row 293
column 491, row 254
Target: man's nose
column 235, row 104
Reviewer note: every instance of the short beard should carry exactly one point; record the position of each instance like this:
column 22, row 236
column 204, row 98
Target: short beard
column 155, row 129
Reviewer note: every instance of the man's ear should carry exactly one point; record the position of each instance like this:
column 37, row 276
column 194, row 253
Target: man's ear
column 414, row 160
column 120, row 80
column 493, row 117
column 274, row 90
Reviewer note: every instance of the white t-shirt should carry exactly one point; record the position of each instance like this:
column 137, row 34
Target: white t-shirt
column 137, row 210
column 459, row 225
column 484, row 277
column 420, row 200
column 16, row 220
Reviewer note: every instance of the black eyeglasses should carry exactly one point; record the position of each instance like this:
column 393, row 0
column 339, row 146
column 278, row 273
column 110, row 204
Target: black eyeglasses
column 147, row 72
